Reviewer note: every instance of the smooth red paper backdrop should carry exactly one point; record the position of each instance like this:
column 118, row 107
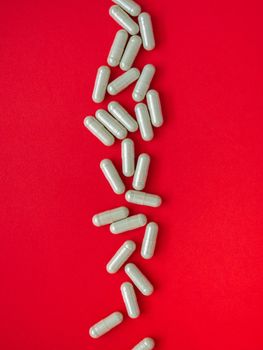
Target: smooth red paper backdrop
column 206, row 164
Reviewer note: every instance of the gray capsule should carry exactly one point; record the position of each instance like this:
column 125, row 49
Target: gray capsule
column 117, row 48
column 109, row 216
column 143, row 83
column 124, row 20
column 128, row 224
column 127, row 155
column 130, row 6
column 122, row 116
column 111, row 124
column 144, row 121
column 141, row 172
column 106, row 324
column 130, row 53
column 98, row 130
column 130, row 300
column 145, row 344
column 146, row 30
column 112, row 175
column 149, row 240
column 123, row 81
column 155, row 108
column 121, row 256
column 142, row 198
column 101, row 82
column 138, row 278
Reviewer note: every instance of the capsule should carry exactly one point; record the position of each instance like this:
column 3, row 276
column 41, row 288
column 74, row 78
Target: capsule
column 111, row 124
column 155, row 108
column 145, row 344
column 138, row 278
column 98, row 130
column 121, row 256
column 112, row 175
column 143, row 83
column 128, row 224
column 130, row 300
column 146, row 29
column 141, row 172
column 130, row 6
column 106, row 324
column 149, row 240
column 142, row 198
column 123, row 81
column 144, row 121
column 101, row 82
column 130, row 53
column 124, row 20
column 117, row 48
column 122, row 116
column 127, row 155
column 109, row 216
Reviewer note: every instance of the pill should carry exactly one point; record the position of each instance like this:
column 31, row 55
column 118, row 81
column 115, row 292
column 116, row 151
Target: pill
column 149, row 240
column 144, row 121
column 111, row 124
column 122, row 116
column 127, row 155
column 124, row 20
column 106, row 324
column 123, row 81
column 142, row 198
column 112, row 176
column 145, row 344
column 130, row 6
column 109, row 216
column 138, row 278
column 143, row 83
column 128, row 224
column 117, row 48
column 130, row 53
column 141, row 172
column 121, row 256
column 130, row 300
column 101, row 82
column 155, row 108
column 98, row 130
column 146, row 30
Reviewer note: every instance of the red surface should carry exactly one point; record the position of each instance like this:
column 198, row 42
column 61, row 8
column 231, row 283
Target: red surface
column 206, row 163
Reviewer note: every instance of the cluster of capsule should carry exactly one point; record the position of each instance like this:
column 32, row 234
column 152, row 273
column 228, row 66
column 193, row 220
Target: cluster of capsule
column 116, row 123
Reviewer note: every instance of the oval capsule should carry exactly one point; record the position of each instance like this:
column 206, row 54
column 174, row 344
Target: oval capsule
column 98, row 130
column 130, row 300
column 141, row 172
column 106, row 324
column 111, row 124
column 127, row 155
column 117, row 48
column 121, row 256
column 128, row 224
column 144, row 121
column 145, row 344
column 123, row 81
column 143, row 198
column 109, row 216
column 155, row 108
column 130, row 6
column 146, row 30
column 149, row 240
column 101, row 82
column 139, row 279
column 130, row 53
column 112, row 176
column 143, row 83
column 124, row 20
column 122, row 116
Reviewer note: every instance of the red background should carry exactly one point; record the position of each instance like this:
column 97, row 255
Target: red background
column 206, row 164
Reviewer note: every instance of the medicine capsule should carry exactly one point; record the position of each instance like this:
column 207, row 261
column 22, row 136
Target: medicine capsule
column 101, row 82
column 145, row 344
column 128, row 224
column 130, row 53
column 117, row 48
column 123, row 81
column 143, row 83
column 146, row 29
column 124, row 20
column 127, row 155
column 123, row 116
column 109, row 216
column 142, row 198
column 130, row 6
column 111, row 124
column 141, row 172
column 155, row 109
column 138, row 278
column 98, row 130
column 106, row 324
column 121, row 256
column 149, row 240
column 130, row 300
column 144, row 121
column 112, row 175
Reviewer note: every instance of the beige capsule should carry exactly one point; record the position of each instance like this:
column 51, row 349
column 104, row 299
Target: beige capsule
column 143, row 198
column 130, row 300
column 123, row 81
column 146, row 29
column 124, row 20
column 98, row 130
column 139, row 279
column 143, row 83
column 144, row 121
column 128, row 224
column 121, row 256
column 130, row 53
column 101, row 83
column 155, row 108
column 149, row 240
column 130, row 6
column 106, row 324
column 109, row 216
column 117, row 48
column 120, row 113
column 145, row 344
column 127, row 156
column 111, row 124
column 141, row 172
column 112, row 176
